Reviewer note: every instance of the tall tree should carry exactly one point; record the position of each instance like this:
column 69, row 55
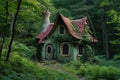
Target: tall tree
column 114, row 23
column 104, row 5
column 4, row 28
column 14, row 18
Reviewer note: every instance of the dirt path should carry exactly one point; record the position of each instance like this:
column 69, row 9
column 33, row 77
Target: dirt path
column 54, row 65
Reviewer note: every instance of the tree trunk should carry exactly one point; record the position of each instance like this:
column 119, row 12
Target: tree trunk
column 1, row 47
column 6, row 22
column 105, row 38
column 14, row 18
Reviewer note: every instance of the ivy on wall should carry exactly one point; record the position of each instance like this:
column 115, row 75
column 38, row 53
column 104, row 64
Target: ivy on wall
column 86, row 33
column 87, row 53
column 85, row 41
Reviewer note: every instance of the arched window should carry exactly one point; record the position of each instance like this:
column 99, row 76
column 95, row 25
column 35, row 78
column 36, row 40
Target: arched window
column 49, row 49
column 64, row 49
column 61, row 30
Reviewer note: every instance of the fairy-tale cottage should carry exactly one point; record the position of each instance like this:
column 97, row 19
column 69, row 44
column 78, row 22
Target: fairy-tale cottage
column 64, row 39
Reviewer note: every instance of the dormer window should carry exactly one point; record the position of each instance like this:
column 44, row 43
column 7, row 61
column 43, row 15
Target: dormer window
column 61, row 30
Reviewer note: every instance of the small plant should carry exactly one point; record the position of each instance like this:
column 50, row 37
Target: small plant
column 82, row 71
column 20, row 68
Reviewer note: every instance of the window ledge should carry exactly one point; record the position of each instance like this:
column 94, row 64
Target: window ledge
column 79, row 55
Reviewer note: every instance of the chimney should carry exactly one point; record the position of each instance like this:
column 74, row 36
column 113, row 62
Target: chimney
column 46, row 20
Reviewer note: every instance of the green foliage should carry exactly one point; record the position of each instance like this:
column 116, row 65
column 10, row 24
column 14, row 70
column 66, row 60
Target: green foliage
column 102, row 72
column 72, row 66
column 93, row 72
column 86, row 33
column 20, row 68
column 82, row 71
column 87, row 54
column 64, row 59
column 115, row 62
column 116, row 57
column 105, row 3
column 23, row 50
column 28, row 26
column 114, row 20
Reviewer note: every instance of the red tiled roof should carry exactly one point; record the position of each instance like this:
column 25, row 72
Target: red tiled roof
column 80, row 24
column 69, row 26
column 41, row 37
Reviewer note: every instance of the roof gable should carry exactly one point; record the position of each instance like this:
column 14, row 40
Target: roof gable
column 68, row 25
column 79, row 23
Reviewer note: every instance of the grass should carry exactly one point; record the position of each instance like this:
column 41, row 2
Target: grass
column 93, row 71
column 20, row 68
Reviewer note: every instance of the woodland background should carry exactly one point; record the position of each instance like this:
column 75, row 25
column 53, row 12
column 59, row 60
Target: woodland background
column 21, row 20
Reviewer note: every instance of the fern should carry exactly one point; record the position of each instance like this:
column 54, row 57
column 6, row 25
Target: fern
column 22, row 50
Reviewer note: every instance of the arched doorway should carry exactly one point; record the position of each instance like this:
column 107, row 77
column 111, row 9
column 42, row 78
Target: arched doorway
column 49, row 52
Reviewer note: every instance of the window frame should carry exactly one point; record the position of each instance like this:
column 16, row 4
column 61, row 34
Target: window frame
column 80, row 54
column 59, row 30
column 61, row 49
column 47, row 46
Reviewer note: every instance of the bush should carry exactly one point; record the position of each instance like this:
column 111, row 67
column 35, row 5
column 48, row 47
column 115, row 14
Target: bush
column 93, row 71
column 72, row 66
column 20, row 68
column 96, row 72
column 82, row 71
column 104, row 62
column 23, row 50
column 64, row 59
column 116, row 57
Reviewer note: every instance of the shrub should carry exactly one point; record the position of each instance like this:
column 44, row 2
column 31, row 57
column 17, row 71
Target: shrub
column 104, row 62
column 64, row 59
column 23, row 50
column 96, row 72
column 82, row 71
column 116, row 57
column 72, row 66
column 20, row 68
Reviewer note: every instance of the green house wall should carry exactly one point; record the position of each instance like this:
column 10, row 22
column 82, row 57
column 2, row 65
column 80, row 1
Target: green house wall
column 55, row 39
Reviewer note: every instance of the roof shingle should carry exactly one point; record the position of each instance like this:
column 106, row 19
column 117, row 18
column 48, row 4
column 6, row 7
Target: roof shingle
column 80, row 24
column 41, row 37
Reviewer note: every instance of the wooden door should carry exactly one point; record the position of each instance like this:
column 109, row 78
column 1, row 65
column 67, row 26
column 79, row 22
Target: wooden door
column 49, row 52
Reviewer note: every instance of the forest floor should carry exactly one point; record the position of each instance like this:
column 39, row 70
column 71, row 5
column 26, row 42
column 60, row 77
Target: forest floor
column 57, row 66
